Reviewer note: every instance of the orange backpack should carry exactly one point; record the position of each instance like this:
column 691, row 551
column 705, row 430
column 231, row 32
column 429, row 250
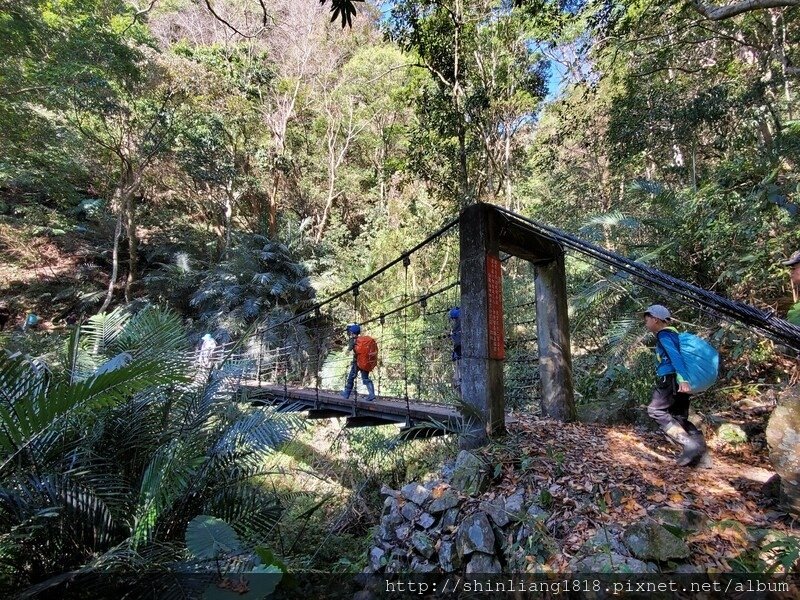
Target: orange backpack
column 366, row 350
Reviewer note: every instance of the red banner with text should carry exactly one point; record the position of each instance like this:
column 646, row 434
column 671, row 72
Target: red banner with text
column 494, row 285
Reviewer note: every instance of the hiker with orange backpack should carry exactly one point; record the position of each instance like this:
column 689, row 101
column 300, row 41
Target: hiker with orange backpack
column 365, row 358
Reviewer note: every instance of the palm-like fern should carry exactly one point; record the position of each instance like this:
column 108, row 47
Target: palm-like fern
column 259, row 276
column 106, row 461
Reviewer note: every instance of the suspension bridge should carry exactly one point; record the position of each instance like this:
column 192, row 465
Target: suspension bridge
column 507, row 273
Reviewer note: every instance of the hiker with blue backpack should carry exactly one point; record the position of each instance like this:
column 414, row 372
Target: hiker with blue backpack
column 685, row 364
column 793, row 316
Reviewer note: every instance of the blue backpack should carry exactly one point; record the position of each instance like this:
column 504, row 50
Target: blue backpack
column 702, row 361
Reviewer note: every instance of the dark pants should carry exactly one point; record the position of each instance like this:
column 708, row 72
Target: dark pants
column 351, row 377
column 669, row 406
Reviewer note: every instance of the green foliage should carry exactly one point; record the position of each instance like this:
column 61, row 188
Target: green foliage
column 259, row 275
column 485, row 82
column 47, row 47
column 103, row 461
column 210, row 538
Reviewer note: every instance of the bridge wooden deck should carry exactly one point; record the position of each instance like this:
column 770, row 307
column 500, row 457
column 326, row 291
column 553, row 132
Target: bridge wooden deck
column 419, row 419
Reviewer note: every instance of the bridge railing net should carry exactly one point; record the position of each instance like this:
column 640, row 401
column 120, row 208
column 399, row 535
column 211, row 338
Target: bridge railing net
column 404, row 307
column 406, row 310
column 521, row 365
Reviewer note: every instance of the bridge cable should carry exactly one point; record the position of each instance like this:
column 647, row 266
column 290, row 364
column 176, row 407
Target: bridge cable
column 715, row 304
column 318, row 355
column 380, row 369
column 413, row 302
column 423, row 302
column 406, row 263
column 402, row 258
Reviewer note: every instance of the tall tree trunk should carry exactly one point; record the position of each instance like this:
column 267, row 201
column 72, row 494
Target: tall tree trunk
column 463, row 181
column 126, row 189
column 133, row 246
column 229, row 202
column 114, row 262
column 273, row 208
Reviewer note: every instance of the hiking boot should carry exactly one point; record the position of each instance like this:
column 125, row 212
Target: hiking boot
column 346, row 393
column 371, row 390
column 703, row 460
column 692, row 448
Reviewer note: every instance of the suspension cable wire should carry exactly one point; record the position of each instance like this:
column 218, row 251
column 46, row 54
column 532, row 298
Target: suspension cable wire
column 402, row 258
column 406, row 263
column 419, row 300
column 317, row 356
column 423, row 302
column 382, row 320
column 710, row 302
column 355, row 301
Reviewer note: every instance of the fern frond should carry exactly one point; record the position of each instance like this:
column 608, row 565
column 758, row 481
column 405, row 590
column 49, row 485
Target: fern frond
column 102, row 329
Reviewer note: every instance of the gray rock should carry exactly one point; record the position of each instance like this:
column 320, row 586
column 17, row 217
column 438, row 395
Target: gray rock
column 449, row 559
column 689, row 569
column 410, row 511
column 515, row 502
column 417, row 493
column 618, row 409
column 538, row 513
column 395, row 565
column 422, row 544
column 682, row 518
column 450, row 518
column 468, row 474
column 389, row 504
column 387, row 533
column 446, row 500
column 426, row 521
column 496, row 509
column 376, row 558
column 475, row 535
column 387, row 492
column 403, row 532
column 610, row 562
column 364, row 595
column 783, row 438
column 421, row 566
column 604, row 540
column 388, row 525
column 649, row 540
column 483, row 563
column 393, row 518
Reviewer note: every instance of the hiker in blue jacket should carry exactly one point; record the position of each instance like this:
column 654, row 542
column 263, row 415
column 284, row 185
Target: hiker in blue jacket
column 793, row 263
column 669, row 406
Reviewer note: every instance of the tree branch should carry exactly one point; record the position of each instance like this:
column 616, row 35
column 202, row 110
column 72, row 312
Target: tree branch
column 138, row 14
column 236, row 31
column 718, row 13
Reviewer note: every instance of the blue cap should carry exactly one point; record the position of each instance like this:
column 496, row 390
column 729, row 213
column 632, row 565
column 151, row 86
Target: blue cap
column 455, row 313
column 354, row 328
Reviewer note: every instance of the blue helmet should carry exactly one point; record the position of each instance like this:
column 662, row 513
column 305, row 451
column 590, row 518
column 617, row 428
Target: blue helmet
column 455, row 313
column 354, row 328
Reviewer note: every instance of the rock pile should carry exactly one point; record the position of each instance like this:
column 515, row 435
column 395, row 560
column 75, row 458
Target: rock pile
column 454, row 525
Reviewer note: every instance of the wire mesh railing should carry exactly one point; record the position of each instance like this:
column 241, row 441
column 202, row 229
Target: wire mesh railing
column 404, row 306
